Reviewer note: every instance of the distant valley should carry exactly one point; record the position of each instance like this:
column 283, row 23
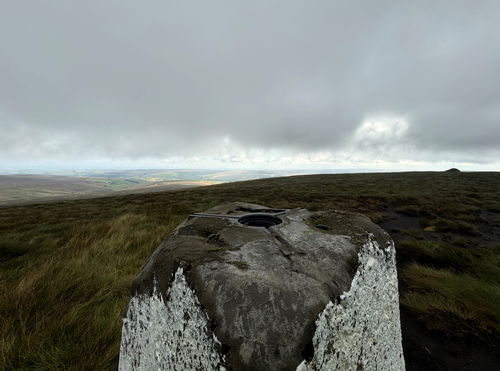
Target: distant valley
column 33, row 188
column 59, row 185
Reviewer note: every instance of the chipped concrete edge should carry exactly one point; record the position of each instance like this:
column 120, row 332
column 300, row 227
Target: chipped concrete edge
column 168, row 335
column 362, row 331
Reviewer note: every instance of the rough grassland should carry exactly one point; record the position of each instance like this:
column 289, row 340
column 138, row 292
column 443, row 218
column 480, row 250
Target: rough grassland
column 66, row 267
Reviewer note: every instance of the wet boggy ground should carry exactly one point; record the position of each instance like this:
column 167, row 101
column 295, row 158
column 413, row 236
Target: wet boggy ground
column 426, row 349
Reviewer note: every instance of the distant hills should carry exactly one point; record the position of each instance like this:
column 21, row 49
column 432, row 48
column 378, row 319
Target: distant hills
column 29, row 188
column 21, row 188
column 65, row 185
column 179, row 174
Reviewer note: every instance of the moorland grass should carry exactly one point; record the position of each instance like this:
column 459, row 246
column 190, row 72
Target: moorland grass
column 436, row 294
column 66, row 267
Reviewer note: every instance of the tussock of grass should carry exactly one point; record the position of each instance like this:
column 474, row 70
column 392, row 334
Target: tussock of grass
column 11, row 249
column 456, row 225
column 465, row 297
column 481, row 263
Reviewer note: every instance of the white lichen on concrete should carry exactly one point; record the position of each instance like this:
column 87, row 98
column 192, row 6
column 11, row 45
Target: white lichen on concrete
column 362, row 331
column 168, row 336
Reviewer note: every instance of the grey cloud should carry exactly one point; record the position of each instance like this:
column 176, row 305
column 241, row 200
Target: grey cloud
column 161, row 78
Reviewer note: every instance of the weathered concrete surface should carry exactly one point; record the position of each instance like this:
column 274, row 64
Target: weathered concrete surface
column 262, row 293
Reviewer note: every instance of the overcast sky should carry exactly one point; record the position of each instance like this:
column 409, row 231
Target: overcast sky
column 250, row 84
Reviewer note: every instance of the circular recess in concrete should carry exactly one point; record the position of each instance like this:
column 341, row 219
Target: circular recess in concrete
column 259, row 220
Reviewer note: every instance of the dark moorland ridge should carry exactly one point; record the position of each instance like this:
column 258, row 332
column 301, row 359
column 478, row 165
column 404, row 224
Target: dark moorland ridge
column 66, row 267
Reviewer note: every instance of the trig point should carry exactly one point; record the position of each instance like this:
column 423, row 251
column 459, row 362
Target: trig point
column 246, row 287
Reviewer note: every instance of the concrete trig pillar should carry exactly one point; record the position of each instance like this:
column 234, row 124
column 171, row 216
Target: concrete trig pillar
column 245, row 287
